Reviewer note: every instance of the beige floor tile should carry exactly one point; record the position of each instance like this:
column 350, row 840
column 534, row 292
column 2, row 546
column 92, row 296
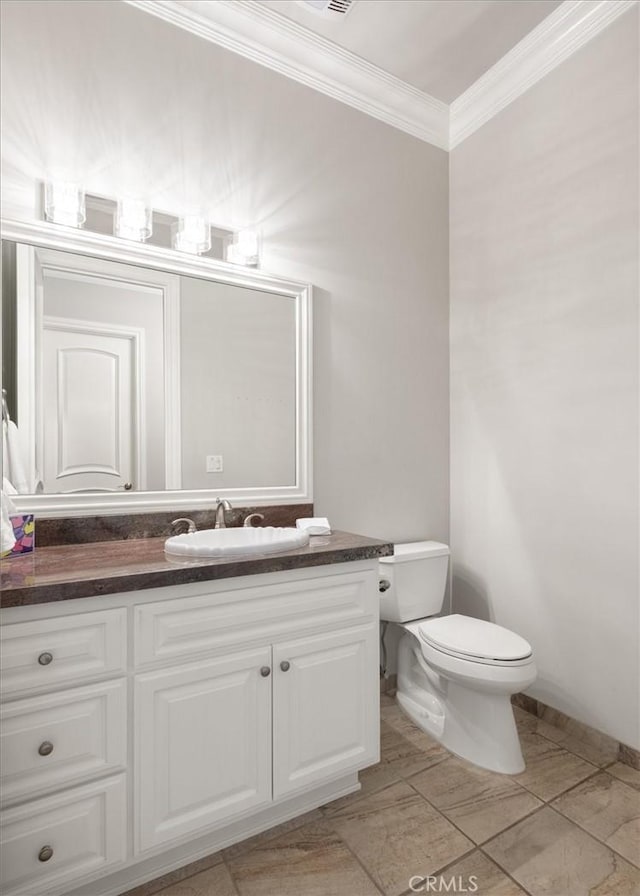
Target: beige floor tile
column 246, row 845
column 548, row 855
column 160, row 885
column 550, row 769
column 407, row 756
column 630, row 776
column 479, row 802
column 582, row 737
column 477, row 874
column 590, row 745
column 399, row 759
column 214, row 882
column 310, row 861
column 525, row 721
column 395, row 718
column 396, row 834
column 410, row 750
column 608, row 809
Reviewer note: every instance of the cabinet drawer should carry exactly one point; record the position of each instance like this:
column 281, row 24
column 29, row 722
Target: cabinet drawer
column 59, row 739
column 219, row 620
column 54, row 841
column 44, row 653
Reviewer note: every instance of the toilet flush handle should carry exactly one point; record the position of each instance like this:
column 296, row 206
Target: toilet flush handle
column 384, row 585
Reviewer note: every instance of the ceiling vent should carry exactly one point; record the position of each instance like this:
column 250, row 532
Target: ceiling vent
column 327, row 8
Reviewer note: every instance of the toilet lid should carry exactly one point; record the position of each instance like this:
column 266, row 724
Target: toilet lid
column 474, row 638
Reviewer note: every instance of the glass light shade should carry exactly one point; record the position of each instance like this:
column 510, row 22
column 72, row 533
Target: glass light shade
column 133, row 220
column 193, row 234
column 245, row 248
column 64, row 203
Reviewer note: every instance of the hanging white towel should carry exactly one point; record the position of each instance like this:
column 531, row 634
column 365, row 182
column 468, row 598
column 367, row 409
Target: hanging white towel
column 7, row 538
column 13, row 467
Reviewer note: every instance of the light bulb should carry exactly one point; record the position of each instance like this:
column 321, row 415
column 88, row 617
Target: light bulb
column 245, row 248
column 133, row 220
column 64, row 203
column 193, row 234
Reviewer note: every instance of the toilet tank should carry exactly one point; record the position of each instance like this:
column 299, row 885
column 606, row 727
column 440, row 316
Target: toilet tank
column 417, row 576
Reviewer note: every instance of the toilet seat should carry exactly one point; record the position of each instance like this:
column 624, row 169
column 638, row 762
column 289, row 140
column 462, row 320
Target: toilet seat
column 474, row 640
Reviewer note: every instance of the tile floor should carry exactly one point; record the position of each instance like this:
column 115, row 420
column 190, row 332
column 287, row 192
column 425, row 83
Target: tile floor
column 567, row 826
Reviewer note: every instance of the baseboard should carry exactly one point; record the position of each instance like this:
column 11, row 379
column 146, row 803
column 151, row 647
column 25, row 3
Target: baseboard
column 627, row 755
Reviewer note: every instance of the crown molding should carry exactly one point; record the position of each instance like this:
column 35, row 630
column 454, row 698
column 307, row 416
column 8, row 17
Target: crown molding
column 270, row 39
column 258, row 33
column 565, row 30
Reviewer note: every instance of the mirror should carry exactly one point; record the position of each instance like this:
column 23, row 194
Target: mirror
column 138, row 379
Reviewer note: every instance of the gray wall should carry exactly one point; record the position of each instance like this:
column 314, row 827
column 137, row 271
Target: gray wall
column 107, row 94
column 544, row 344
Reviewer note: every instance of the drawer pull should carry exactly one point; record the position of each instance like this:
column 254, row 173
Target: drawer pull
column 285, row 665
column 45, row 748
column 45, row 854
column 45, row 658
column 265, row 671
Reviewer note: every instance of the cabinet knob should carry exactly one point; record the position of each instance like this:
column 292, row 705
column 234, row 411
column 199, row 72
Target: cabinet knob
column 285, row 665
column 265, row 671
column 45, row 748
column 45, row 658
column 384, row 585
column 45, row 854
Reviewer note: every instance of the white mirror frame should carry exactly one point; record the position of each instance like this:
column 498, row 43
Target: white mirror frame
column 51, row 236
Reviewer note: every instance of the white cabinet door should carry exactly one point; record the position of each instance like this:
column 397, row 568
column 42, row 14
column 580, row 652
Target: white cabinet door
column 203, row 744
column 325, row 710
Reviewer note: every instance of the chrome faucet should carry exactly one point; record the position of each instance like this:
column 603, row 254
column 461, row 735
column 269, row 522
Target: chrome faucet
column 221, row 507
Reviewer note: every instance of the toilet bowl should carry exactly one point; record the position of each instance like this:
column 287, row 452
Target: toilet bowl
column 456, row 674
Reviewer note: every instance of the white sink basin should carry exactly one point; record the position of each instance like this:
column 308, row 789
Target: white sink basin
column 235, row 542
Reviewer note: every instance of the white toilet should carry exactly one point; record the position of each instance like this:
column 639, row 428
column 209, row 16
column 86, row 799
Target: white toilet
column 456, row 674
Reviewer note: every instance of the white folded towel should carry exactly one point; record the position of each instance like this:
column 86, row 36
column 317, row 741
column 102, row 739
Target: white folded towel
column 316, row 525
column 7, row 538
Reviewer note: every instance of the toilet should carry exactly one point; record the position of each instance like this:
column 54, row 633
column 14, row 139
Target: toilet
column 456, row 674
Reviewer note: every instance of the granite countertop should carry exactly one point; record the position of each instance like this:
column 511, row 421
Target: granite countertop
column 64, row 572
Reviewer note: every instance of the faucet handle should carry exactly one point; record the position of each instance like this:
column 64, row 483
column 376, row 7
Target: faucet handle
column 248, row 521
column 185, row 519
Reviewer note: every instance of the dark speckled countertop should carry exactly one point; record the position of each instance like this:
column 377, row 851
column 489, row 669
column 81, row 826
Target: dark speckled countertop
column 63, row 572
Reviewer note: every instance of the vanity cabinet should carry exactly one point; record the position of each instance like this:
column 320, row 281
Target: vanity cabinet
column 171, row 722
column 63, row 749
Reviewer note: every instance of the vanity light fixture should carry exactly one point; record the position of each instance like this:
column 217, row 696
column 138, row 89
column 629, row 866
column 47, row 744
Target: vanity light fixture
column 192, row 234
column 130, row 218
column 244, row 248
column 64, row 203
column 133, row 220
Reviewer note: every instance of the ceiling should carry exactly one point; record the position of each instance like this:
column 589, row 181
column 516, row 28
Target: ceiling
column 435, row 69
column 441, row 47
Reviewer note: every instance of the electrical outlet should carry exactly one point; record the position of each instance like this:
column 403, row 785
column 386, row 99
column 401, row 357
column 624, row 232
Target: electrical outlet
column 214, row 463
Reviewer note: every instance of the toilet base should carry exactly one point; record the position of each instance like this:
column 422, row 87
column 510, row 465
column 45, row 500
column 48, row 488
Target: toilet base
column 476, row 726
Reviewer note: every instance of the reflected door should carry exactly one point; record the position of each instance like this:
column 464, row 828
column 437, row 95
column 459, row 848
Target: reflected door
column 90, row 412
